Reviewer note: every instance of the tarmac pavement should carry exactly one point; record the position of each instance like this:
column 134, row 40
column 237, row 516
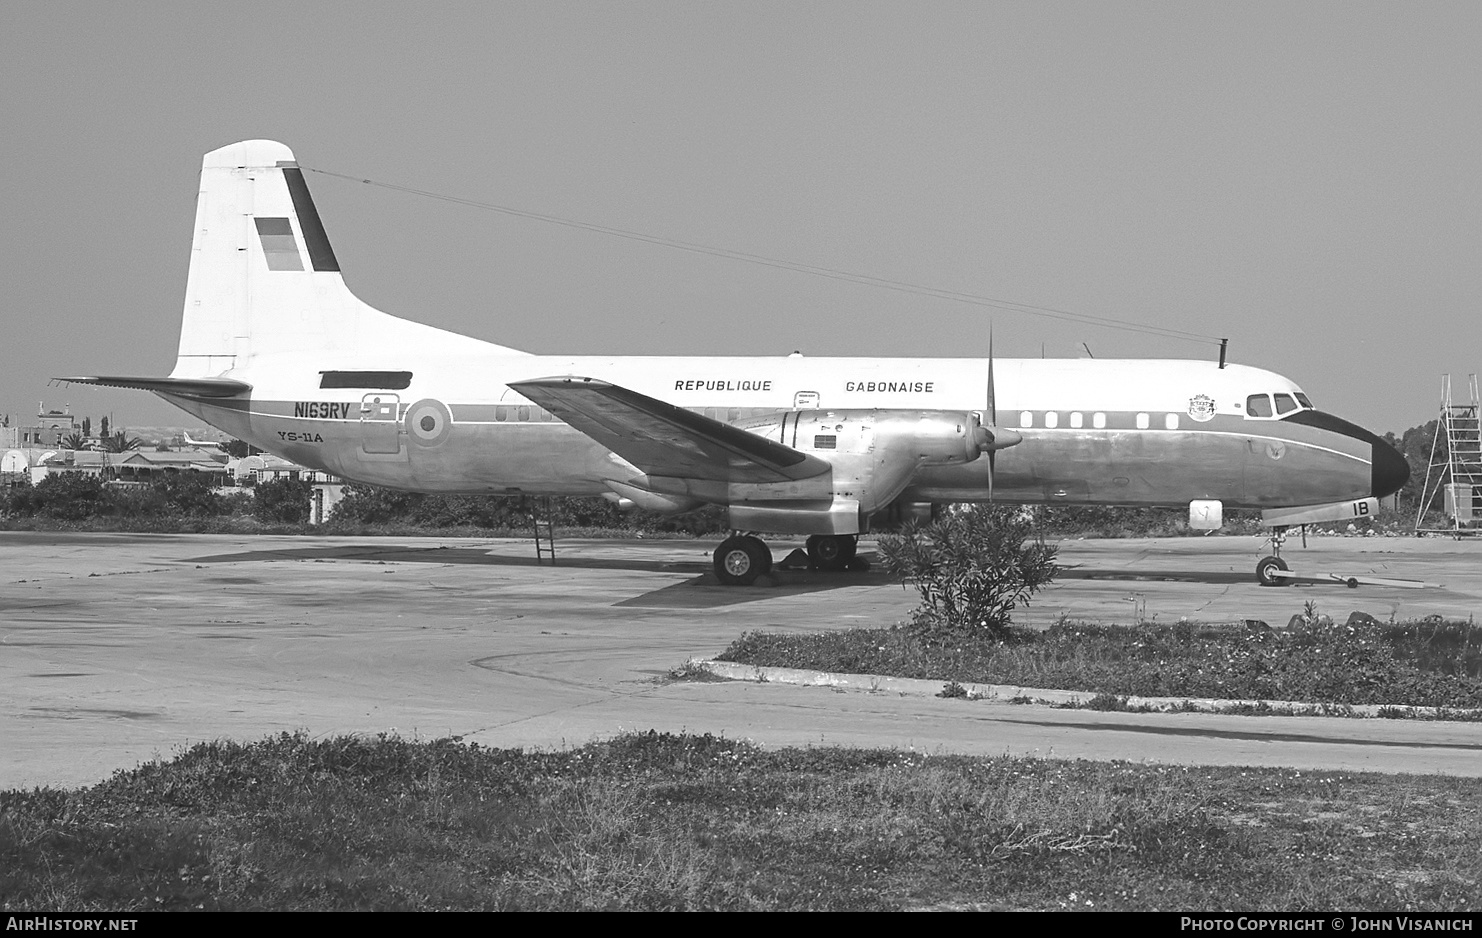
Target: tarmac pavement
column 121, row 648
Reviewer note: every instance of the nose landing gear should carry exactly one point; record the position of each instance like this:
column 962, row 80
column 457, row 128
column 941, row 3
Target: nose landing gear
column 1269, row 572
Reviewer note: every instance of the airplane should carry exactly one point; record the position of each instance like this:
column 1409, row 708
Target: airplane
column 202, row 444
column 275, row 350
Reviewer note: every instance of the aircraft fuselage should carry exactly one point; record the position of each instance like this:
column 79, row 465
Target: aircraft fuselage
column 1134, row 432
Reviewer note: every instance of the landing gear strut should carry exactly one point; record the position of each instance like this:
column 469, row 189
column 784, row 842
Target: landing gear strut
column 740, row 559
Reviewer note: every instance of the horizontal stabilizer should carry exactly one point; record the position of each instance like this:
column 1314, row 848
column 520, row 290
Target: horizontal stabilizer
column 664, row 440
column 184, row 387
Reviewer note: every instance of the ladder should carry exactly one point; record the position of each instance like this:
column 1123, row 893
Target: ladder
column 545, row 529
column 1458, row 471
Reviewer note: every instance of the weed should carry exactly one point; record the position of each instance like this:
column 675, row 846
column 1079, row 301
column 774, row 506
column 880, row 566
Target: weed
column 660, row 821
column 1430, row 663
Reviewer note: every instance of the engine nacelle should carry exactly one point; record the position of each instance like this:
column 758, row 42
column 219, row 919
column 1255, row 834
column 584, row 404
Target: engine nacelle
column 874, row 453
column 929, row 437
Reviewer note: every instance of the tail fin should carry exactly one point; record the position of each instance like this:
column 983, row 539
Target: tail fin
column 264, row 280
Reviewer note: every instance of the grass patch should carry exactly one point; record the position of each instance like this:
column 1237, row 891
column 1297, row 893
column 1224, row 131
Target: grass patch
column 656, row 821
column 1416, row 664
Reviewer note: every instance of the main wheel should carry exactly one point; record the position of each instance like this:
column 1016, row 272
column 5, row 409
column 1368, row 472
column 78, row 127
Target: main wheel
column 1266, row 571
column 832, row 551
column 740, row 560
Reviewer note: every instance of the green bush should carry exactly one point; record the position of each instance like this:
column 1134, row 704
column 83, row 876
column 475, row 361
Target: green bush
column 189, row 493
column 972, row 566
column 369, row 504
column 69, row 496
column 283, row 500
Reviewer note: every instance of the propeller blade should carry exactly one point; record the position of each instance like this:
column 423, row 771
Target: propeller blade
column 992, row 401
column 992, row 413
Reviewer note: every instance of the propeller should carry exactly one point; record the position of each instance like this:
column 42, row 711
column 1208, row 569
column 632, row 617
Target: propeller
column 991, row 438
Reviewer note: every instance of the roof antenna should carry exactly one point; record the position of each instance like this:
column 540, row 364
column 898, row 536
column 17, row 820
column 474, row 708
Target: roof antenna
column 1224, row 343
column 1088, row 350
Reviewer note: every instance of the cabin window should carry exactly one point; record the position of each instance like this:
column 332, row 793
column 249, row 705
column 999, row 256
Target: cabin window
column 1258, row 405
column 825, row 441
column 709, row 412
column 1285, row 404
column 380, row 380
column 1302, row 399
column 522, row 413
column 1052, row 420
column 501, row 412
column 1142, row 421
column 733, row 414
column 1075, row 420
column 1170, row 422
column 1098, row 420
column 1026, row 419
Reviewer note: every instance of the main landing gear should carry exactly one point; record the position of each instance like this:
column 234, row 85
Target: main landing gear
column 741, row 558
column 832, row 551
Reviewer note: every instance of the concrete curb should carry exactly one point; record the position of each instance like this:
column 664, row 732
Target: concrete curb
column 1008, row 693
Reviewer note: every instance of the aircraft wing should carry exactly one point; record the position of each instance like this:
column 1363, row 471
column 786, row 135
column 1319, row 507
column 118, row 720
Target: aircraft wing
column 665, row 440
column 188, row 387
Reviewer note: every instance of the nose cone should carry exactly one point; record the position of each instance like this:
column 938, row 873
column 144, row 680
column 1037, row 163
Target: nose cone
column 1390, row 470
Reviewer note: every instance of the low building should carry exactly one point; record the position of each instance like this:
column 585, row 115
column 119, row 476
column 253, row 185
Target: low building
column 132, row 466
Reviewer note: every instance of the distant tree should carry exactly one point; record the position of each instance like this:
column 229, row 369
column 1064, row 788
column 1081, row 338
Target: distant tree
column 120, row 442
column 103, row 428
column 162, row 448
column 73, row 440
column 237, row 449
column 87, row 426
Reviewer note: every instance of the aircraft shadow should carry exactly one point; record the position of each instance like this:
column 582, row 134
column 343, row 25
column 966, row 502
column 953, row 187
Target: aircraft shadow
column 702, row 590
column 705, row 591
column 475, row 556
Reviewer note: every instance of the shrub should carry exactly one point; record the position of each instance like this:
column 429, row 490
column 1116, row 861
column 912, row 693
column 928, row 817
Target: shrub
column 283, row 500
column 972, row 567
column 69, row 496
column 190, row 493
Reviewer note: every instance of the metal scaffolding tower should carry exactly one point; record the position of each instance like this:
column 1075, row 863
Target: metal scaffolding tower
column 1458, row 471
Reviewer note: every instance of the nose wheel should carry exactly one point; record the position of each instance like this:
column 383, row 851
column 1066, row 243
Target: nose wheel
column 1269, row 569
column 740, row 559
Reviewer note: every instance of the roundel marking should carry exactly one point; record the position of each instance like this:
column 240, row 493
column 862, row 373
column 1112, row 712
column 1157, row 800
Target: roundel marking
column 428, row 423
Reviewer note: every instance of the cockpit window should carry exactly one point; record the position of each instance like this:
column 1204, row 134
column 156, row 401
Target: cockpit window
column 1261, row 405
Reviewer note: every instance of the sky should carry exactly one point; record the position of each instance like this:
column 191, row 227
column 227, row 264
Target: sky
column 1300, row 178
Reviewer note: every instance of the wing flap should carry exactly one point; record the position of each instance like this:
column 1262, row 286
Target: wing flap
column 186, row 387
column 665, row 440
